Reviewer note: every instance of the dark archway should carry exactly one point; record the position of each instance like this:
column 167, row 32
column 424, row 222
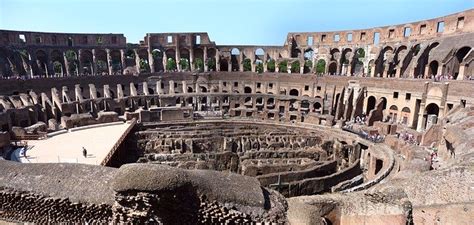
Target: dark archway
column 294, row 92
column 370, row 104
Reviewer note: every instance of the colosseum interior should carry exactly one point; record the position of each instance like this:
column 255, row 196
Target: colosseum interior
column 370, row 126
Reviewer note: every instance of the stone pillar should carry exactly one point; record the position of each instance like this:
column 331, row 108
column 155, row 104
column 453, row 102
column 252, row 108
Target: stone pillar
column 191, row 59
column 122, row 59
column 137, row 60
column 229, row 66
column 109, row 61
column 185, row 87
column 427, row 74
column 151, row 61
column 178, row 58
column 218, row 64
column 462, row 69
column 421, row 119
column 397, row 74
column 80, row 68
column 372, row 72
column 159, row 91
column 94, row 62
column 349, row 69
column 171, row 87
column 66, row 64
column 206, row 68
column 241, row 60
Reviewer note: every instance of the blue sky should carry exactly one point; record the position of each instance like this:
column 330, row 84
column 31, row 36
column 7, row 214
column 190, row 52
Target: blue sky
column 260, row 22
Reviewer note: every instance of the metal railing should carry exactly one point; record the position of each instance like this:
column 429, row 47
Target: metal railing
column 114, row 149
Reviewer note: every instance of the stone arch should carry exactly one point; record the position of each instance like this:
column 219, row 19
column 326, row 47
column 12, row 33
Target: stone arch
column 86, row 62
column 345, row 60
column 460, row 55
column 247, row 90
column 101, row 61
column 184, row 61
column 211, row 57
column 259, row 54
column 433, row 68
column 383, row 101
column 332, row 69
column 393, row 113
column 235, row 59
column 405, row 115
column 41, row 62
column 116, row 58
column 321, row 66
column 423, row 60
column 371, row 101
column 294, row 92
column 223, row 64
column 358, row 62
column 384, row 63
column 57, row 60
column 431, row 109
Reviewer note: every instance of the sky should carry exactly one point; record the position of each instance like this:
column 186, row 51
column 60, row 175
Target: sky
column 228, row 22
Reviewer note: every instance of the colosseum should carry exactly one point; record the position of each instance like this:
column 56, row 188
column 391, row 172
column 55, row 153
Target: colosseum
column 370, row 126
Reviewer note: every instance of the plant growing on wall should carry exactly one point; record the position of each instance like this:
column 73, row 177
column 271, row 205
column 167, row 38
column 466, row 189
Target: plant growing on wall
column 211, row 63
column 199, row 64
column 247, row 65
column 271, row 65
column 184, row 64
column 295, row 67
column 308, row 64
column 259, row 67
column 170, row 64
column 283, row 67
column 320, row 66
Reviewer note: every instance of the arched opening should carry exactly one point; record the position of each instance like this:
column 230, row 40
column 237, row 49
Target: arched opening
column 223, row 65
column 184, row 60
column 157, row 55
column 211, row 60
column 383, row 100
column 247, row 90
column 117, row 61
column 41, row 62
column 294, row 92
column 332, row 70
column 393, row 113
column 235, row 57
column 431, row 115
column 460, row 55
column 317, row 107
column 321, row 66
column 101, row 62
column 86, row 62
column 433, row 68
column 370, row 104
column 57, row 59
column 405, row 115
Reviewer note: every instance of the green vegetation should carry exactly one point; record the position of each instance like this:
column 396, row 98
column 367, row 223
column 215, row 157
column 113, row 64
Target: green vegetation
column 247, row 64
column 295, row 67
column 271, row 65
column 199, row 65
column 170, row 64
column 283, row 67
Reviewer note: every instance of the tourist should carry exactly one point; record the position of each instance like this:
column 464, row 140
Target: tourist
column 84, row 152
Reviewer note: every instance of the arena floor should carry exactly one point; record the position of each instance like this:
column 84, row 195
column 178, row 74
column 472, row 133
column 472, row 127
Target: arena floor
column 67, row 147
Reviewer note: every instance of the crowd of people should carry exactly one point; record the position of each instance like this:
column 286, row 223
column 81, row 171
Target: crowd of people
column 408, row 138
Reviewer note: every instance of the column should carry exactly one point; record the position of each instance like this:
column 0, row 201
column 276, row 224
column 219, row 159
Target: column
column 137, row 60
column 427, row 74
column 66, row 64
column 462, row 69
column 349, row 69
column 265, row 59
column 94, row 62
column 151, row 61
column 178, row 58
column 122, row 60
column 218, row 63
column 241, row 60
column 79, row 66
column 397, row 74
column 191, row 59
column 206, row 68
column 421, row 119
column 109, row 61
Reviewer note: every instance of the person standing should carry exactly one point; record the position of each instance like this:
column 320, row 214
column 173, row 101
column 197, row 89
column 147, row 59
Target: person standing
column 84, row 152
